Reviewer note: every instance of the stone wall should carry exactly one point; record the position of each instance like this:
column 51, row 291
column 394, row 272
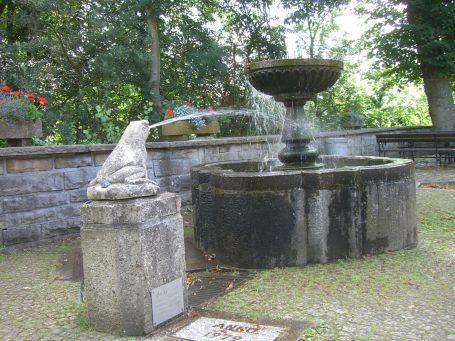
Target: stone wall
column 43, row 188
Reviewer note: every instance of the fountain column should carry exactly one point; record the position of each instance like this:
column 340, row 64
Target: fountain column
column 294, row 82
column 297, row 134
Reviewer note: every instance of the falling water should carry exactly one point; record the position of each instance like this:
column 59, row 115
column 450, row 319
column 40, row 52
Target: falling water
column 268, row 117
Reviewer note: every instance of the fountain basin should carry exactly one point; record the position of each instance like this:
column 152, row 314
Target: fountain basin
column 293, row 80
column 351, row 207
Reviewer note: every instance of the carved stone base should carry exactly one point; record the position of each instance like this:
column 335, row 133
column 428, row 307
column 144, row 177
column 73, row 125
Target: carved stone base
column 134, row 263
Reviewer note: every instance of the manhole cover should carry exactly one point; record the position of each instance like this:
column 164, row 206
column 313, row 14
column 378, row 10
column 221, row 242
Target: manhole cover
column 205, row 285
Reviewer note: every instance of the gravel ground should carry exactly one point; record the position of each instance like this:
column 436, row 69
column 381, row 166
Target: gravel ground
column 400, row 295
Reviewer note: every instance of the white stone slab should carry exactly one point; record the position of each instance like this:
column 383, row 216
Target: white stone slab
column 167, row 301
column 210, row 329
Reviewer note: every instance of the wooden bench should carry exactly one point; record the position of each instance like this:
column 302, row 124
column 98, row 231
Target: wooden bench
column 437, row 145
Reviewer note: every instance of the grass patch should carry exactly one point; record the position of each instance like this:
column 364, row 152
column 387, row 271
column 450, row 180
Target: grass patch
column 435, row 210
column 329, row 294
column 82, row 320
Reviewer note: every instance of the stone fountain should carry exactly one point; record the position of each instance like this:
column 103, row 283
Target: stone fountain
column 294, row 82
column 311, row 209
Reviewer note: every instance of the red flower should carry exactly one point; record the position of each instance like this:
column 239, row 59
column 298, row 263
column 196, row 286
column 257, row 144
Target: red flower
column 187, row 103
column 211, row 109
column 169, row 112
column 42, row 101
column 30, row 97
column 345, row 109
column 6, row 88
column 16, row 93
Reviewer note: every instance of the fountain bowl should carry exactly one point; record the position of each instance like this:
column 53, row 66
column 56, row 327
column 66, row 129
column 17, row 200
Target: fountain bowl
column 353, row 206
column 293, row 80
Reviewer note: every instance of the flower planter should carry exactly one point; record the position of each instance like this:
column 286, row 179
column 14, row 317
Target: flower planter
column 181, row 130
column 19, row 133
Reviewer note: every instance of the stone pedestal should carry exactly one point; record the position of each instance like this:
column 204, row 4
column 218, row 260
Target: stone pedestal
column 134, row 263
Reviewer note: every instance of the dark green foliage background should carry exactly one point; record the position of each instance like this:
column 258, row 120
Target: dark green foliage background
column 92, row 60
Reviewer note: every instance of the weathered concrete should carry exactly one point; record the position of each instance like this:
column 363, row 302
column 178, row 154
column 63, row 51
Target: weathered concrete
column 354, row 206
column 130, row 248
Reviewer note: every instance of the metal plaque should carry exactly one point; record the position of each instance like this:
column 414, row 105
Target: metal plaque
column 167, row 301
column 209, row 329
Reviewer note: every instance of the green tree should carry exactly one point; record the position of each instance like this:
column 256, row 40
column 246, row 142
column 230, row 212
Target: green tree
column 247, row 35
column 85, row 54
column 315, row 19
column 416, row 40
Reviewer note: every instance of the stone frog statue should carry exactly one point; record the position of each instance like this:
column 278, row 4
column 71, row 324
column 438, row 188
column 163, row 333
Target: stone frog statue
column 124, row 173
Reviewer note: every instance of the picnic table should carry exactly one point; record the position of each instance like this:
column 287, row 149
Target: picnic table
column 437, row 145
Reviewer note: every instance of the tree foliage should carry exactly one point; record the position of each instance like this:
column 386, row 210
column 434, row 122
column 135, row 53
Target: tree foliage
column 94, row 59
column 415, row 39
column 314, row 18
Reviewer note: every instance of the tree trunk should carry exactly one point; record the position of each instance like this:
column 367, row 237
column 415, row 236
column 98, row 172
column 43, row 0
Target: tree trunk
column 436, row 84
column 440, row 99
column 152, row 22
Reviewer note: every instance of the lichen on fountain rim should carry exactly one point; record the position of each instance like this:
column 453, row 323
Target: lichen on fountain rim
column 356, row 206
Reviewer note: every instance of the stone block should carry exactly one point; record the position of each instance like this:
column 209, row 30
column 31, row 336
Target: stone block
column 193, row 154
column 21, row 234
column 185, row 196
column 128, row 260
column 175, row 184
column 133, row 211
column 29, row 165
column 100, row 158
column 2, row 167
column 74, row 161
column 41, row 215
column 31, row 183
column 78, row 195
column 69, row 211
column 80, row 178
column 60, row 227
column 172, row 167
column 19, row 219
column 32, row 201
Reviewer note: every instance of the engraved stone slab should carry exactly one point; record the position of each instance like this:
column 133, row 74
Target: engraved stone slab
column 209, row 329
column 167, row 301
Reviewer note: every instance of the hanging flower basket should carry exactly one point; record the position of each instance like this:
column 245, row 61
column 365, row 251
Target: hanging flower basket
column 202, row 126
column 20, row 133
column 181, row 130
column 20, row 117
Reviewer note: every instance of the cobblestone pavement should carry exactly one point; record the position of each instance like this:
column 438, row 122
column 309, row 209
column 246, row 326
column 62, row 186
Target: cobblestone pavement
column 401, row 295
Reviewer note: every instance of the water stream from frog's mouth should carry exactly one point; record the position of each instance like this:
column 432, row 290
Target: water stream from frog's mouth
column 220, row 112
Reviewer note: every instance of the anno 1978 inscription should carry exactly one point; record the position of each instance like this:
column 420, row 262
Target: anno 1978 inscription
column 209, row 329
